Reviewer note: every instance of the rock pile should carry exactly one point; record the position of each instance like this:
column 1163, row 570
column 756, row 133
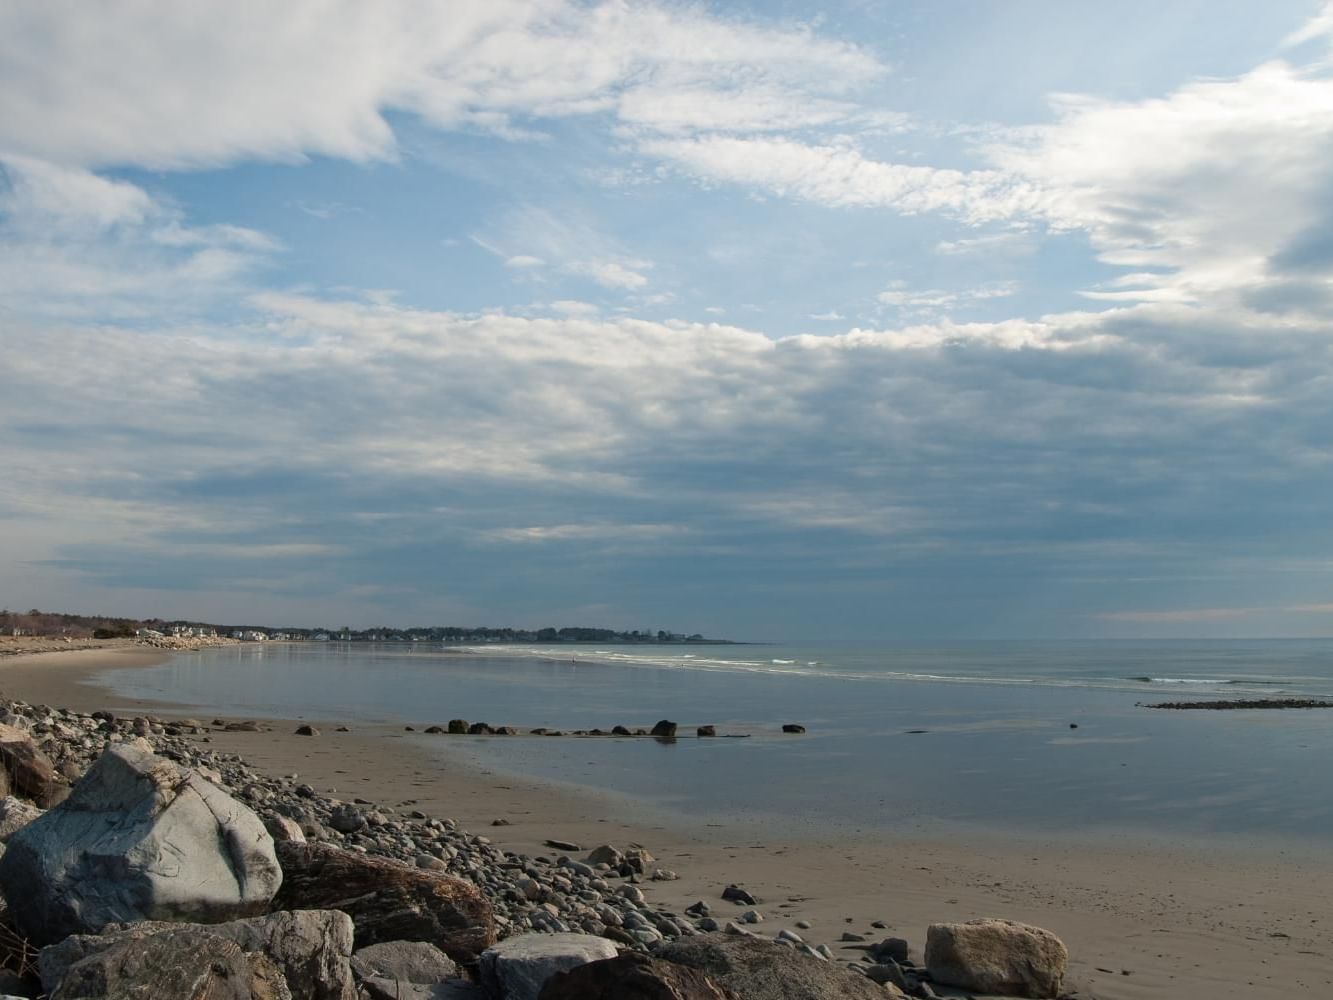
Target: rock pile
column 161, row 867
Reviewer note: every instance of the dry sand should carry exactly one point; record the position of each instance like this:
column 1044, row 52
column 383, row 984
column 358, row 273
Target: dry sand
column 1148, row 921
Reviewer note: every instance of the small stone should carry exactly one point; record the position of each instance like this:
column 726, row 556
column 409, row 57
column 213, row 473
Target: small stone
column 306, row 731
column 792, row 727
column 739, row 896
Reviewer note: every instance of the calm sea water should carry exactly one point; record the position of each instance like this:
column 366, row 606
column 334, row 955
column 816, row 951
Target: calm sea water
column 999, row 746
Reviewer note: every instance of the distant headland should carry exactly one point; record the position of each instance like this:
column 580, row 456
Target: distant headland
column 52, row 623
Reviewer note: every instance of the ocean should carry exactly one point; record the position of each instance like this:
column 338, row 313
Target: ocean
column 1031, row 737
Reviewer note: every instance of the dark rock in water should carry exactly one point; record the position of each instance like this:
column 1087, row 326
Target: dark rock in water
column 640, row 732
column 792, row 727
column 504, row 731
column 620, row 731
column 458, row 727
column 539, row 731
column 478, row 729
column 1073, row 725
column 1222, row 706
column 632, row 976
column 306, row 731
column 707, row 731
column 140, row 838
column 996, row 956
column 739, row 896
column 387, row 900
column 435, row 730
column 754, row 968
column 664, row 728
column 409, row 729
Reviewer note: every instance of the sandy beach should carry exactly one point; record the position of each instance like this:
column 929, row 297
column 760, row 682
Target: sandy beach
column 1140, row 921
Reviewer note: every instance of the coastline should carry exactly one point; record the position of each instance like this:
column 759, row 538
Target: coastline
column 1180, row 922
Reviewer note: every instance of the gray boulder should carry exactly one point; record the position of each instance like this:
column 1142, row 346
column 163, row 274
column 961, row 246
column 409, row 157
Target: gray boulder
column 605, row 855
column 312, row 948
column 516, row 968
column 754, row 968
column 138, row 839
column 404, row 961
column 997, row 956
column 180, row 964
column 396, row 989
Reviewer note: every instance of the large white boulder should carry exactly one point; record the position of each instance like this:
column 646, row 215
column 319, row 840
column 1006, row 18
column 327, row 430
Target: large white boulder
column 997, row 956
column 139, row 838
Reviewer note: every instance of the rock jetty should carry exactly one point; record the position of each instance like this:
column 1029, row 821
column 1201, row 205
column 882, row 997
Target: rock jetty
column 139, row 861
column 1243, row 704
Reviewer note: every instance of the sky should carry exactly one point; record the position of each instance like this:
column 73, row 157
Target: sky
column 912, row 319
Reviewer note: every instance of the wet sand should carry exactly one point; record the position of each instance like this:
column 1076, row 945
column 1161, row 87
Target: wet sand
column 1141, row 921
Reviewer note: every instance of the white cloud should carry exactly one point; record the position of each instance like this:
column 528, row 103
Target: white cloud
column 1169, row 186
column 75, row 244
column 613, row 273
column 174, row 87
column 573, row 307
column 936, row 301
column 842, row 177
column 596, row 532
column 1318, row 26
column 524, row 261
column 1080, row 440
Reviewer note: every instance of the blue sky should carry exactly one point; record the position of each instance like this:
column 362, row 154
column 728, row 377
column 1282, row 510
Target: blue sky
column 916, row 320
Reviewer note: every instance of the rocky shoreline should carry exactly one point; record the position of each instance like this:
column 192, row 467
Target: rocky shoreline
column 1242, row 704
column 26, row 645
column 371, row 899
